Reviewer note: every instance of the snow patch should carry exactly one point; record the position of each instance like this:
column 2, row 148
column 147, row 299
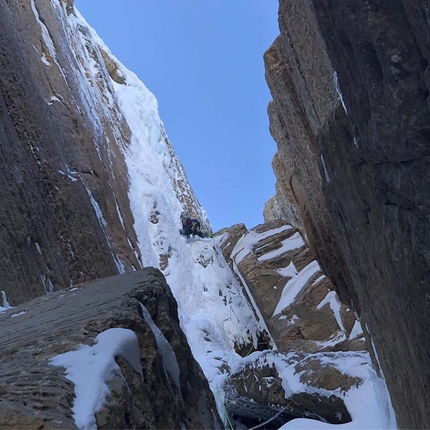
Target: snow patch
column 91, row 367
column 18, row 314
column 293, row 242
column 333, row 301
column 245, row 245
column 295, row 285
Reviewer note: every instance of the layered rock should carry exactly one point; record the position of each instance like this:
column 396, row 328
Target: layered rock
column 273, row 400
column 37, row 394
column 309, row 325
column 297, row 301
column 350, row 115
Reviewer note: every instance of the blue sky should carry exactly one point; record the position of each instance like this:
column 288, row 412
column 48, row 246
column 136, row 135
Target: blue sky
column 203, row 60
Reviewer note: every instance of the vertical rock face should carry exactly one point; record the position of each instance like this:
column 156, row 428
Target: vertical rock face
column 354, row 163
column 300, row 77
column 61, row 166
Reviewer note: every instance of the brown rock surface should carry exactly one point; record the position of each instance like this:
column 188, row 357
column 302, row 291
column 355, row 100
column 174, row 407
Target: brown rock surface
column 301, row 326
column 58, row 145
column 35, row 394
column 360, row 179
column 271, row 259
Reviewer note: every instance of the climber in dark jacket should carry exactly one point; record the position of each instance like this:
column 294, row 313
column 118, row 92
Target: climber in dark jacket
column 190, row 226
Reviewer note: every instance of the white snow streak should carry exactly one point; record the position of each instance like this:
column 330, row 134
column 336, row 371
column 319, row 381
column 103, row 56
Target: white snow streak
column 295, row 285
column 333, row 301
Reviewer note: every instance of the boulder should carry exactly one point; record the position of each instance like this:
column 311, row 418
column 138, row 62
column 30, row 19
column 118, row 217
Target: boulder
column 37, row 394
column 258, row 393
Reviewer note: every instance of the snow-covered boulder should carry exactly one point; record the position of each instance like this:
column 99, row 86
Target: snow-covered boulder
column 109, row 353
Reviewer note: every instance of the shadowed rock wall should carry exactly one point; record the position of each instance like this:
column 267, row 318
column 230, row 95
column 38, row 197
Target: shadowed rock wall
column 62, row 174
column 357, row 171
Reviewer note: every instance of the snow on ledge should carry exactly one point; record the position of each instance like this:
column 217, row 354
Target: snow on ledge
column 295, row 285
column 293, row 242
column 245, row 244
column 90, row 367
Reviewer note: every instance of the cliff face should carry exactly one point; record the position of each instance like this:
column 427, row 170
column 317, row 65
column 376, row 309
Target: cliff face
column 314, row 333
column 66, row 140
column 350, row 113
column 57, row 155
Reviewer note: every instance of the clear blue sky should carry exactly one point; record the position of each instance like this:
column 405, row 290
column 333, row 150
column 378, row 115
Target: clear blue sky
column 203, row 60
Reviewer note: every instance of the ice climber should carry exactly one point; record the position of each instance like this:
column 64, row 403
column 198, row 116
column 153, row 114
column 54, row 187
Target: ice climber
column 190, row 226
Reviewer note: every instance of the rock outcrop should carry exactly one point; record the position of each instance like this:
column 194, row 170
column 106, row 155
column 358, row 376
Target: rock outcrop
column 297, row 301
column 350, row 113
column 310, row 327
column 272, row 400
column 36, row 394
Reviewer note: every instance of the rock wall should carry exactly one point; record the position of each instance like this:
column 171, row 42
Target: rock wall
column 272, row 259
column 62, row 170
column 350, row 113
column 67, row 138
column 36, row 394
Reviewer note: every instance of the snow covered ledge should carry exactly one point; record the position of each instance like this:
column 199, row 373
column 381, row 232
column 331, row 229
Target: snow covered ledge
column 91, row 367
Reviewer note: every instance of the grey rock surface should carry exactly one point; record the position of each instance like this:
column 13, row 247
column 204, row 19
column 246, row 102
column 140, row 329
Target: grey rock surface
column 35, row 394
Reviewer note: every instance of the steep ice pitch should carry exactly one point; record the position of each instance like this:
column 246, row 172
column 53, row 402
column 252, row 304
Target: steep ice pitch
column 159, row 187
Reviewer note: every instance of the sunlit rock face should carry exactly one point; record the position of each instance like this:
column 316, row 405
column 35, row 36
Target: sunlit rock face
column 351, row 117
column 311, row 328
column 298, row 302
column 64, row 141
column 145, row 390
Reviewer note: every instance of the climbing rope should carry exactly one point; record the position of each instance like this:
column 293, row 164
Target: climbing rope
column 270, row 419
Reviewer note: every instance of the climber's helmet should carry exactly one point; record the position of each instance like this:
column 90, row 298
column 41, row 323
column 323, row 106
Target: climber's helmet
column 185, row 215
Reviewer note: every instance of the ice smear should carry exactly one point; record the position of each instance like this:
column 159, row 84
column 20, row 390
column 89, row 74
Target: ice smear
column 169, row 358
column 6, row 304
